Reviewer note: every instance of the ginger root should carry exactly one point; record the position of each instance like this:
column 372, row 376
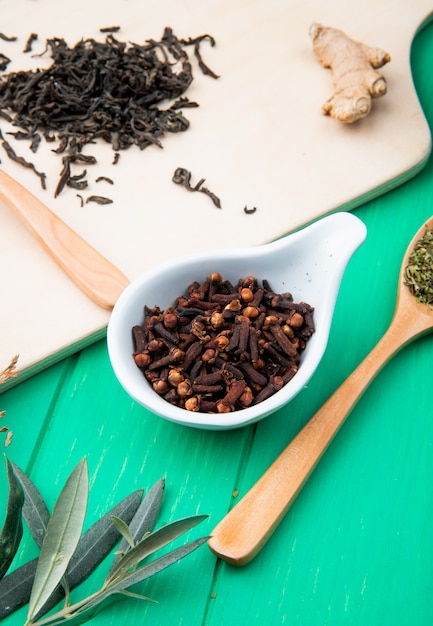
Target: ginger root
column 353, row 66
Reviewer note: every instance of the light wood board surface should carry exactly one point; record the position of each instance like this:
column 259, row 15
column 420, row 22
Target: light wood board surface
column 258, row 138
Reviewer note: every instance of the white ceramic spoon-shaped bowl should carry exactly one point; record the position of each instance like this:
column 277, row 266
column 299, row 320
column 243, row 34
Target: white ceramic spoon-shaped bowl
column 309, row 263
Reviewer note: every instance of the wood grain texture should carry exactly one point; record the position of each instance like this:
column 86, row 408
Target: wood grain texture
column 258, row 138
column 97, row 278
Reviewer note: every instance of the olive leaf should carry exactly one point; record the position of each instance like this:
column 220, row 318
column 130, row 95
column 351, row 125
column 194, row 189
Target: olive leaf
column 123, row 529
column 118, row 582
column 15, row 588
column 66, row 559
column 152, row 568
column 61, row 538
column 119, row 588
column 12, row 531
column 144, row 519
column 94, row 546
column 151, row 543
column 35, row 511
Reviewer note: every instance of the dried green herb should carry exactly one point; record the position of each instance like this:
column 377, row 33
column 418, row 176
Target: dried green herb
column 419, row 270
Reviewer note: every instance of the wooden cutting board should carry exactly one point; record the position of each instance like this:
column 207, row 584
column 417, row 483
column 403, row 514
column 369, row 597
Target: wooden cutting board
column 258, row 138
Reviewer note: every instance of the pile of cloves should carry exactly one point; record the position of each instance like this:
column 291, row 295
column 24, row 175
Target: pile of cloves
column 223, row 346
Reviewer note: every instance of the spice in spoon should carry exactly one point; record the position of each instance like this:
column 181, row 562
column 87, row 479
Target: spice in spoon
column 419, row 270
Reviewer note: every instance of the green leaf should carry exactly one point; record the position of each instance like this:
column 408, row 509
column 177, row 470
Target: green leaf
column 35, row 510
column 153, row 542
column 15, row 588
column 93, row 547
column 12, row 531
column 117, row 590
column 144, row 519
column 81, row 616
column 123, row 529
column 61, row 538
column 152, row 568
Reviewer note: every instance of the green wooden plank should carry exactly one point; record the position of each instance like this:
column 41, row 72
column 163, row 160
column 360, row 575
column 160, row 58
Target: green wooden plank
column 356, row 547
column 28, row 407
column 128, row 448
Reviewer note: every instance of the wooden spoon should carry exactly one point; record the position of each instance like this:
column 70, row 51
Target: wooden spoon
column 101, row 281
column 246, row 528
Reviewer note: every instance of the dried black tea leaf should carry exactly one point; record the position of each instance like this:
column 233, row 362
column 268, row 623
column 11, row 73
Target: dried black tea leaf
column 29, row 43
column 99, row 200
column 7, row 38
column 122, row 93
column 182, row 176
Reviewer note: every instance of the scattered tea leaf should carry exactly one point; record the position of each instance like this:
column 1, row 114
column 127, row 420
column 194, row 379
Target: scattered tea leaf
column 99, row 200
column 182, row 176
column 7, row 37
column 28, row 47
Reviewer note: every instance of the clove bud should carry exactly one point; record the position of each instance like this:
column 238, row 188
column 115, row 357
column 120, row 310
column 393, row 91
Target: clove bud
column 222, row 347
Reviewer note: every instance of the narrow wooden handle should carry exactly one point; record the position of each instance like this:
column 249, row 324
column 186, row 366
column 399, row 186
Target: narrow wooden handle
column 247, row 527
column 101, row 281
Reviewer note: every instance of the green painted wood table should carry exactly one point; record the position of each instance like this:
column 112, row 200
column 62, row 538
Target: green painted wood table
column 356, row 548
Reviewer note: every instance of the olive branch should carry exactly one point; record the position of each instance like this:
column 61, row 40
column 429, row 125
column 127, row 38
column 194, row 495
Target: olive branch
column 67, row 557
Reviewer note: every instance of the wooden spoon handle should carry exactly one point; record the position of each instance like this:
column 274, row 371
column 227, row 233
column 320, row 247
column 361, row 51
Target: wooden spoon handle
column 246, row 528
column 101, row 281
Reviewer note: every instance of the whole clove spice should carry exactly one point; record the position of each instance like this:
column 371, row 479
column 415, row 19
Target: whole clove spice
column 222, row 347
